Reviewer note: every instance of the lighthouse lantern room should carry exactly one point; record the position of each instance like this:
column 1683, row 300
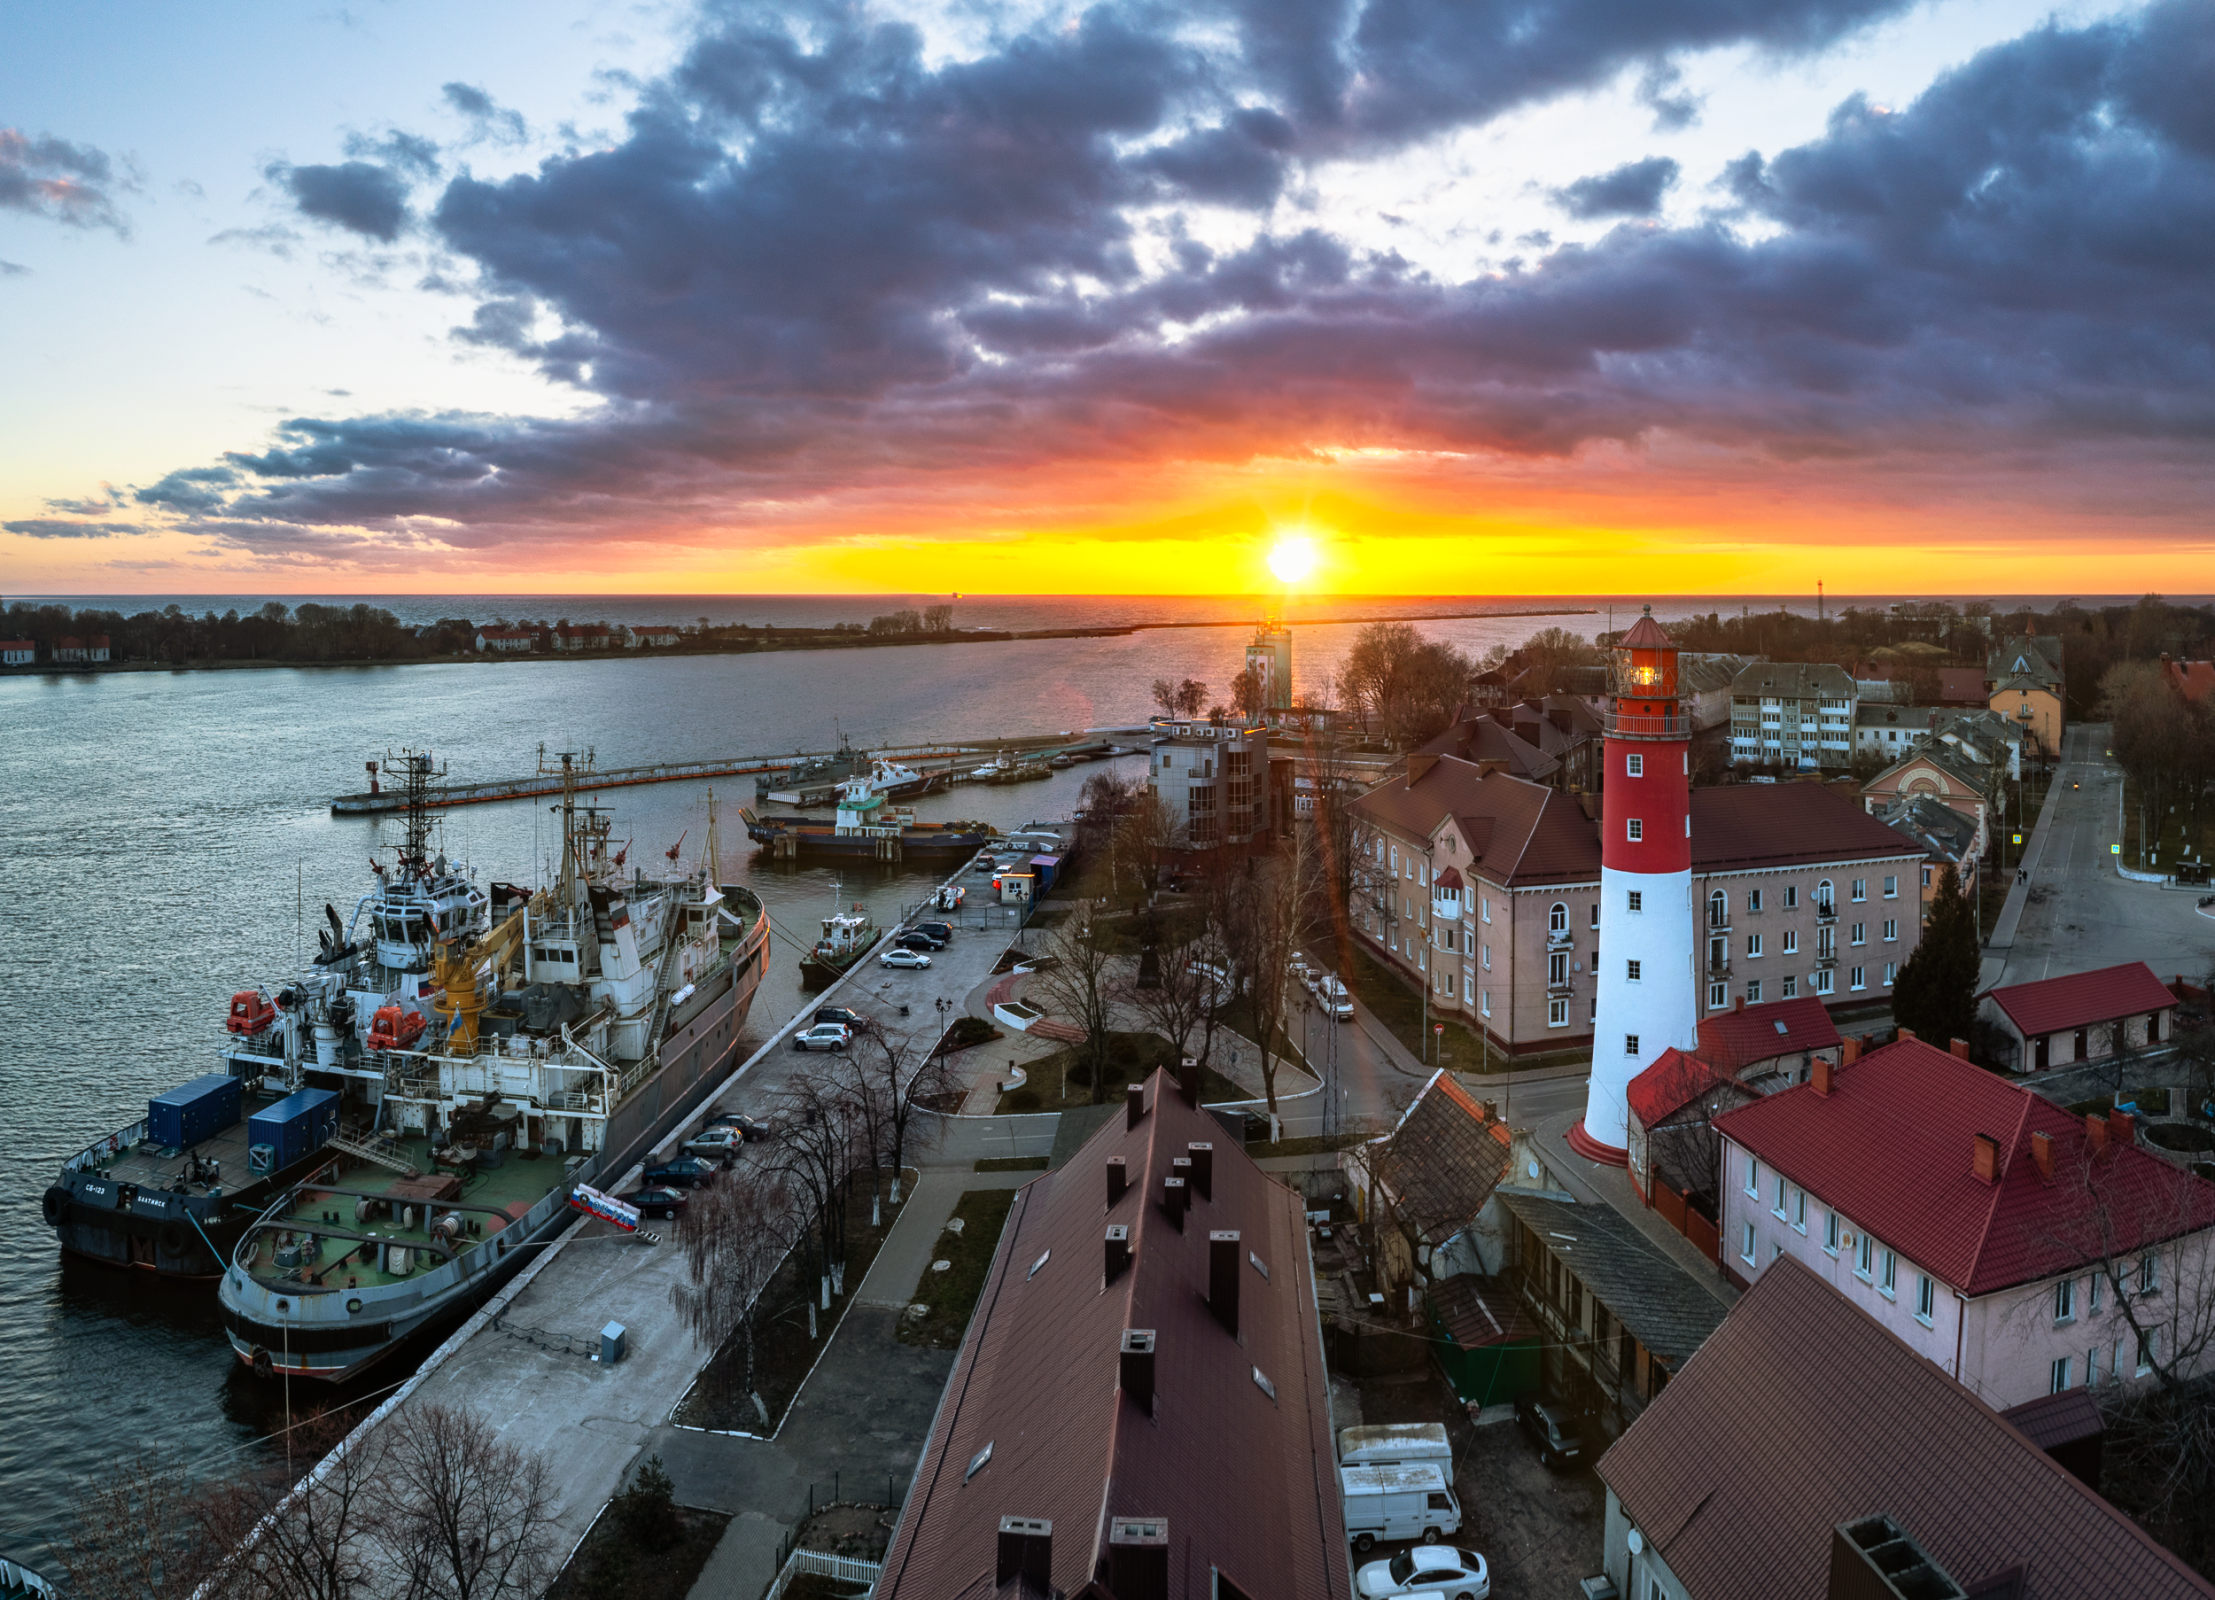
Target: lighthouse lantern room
column 1646, row 991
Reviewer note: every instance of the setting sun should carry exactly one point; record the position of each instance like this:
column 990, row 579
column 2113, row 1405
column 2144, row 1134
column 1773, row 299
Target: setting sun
column 1293, row 559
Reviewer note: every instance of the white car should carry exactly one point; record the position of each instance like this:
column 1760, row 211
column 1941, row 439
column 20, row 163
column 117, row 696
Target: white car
column 714, row 1142
column 1427, row 1569
column 824, row 1036
column 903, row 958
column 1335, row 999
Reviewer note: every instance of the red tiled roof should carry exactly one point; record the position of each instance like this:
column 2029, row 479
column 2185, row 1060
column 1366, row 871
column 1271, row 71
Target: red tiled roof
column 1443, row 1161
column 1734, row 1039
column 1449, row 879
column 1892, row 1147
column 1802, row 1412
column 1674, row 1081
column 1645, row 633
column 1960, row 686
column 1245, row 1477
column 1741, row 826
column 2195, row 680
column 2080, row 999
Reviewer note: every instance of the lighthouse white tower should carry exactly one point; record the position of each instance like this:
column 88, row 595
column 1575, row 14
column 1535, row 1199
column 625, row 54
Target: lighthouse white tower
column 1648, row 993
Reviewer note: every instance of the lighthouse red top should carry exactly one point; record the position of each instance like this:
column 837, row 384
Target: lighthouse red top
column 1647, row 798
column 1645, row 683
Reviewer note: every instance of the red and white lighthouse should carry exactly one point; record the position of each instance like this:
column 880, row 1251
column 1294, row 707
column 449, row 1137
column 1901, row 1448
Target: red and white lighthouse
column 1648, row 994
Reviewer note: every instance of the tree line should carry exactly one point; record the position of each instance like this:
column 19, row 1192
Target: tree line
column 274, row 632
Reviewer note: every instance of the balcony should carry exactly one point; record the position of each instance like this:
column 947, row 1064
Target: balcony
column 1718, row 969
column 1559, row 938
column 1676, row 725
column 1826, row 911
column 1557, row 987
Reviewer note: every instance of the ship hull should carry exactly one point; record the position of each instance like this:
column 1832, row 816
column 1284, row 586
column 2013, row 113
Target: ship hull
column 327, row 1341
column 810, row 838
column 171, row 1236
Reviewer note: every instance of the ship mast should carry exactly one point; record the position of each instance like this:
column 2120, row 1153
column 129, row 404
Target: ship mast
column 714, row 846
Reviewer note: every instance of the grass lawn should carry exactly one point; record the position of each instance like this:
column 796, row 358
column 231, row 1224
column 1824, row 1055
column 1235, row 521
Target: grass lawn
column 2167, row 837
column 609, row 1566
column 1400, row 1009
column 952, row 1294
column 1011, row 1164
column 783, row 1352
column 1132, row 1057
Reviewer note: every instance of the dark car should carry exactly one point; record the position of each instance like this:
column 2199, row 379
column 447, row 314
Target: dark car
column 943, row 932
column 656, row 1202
column 681, row 1173
column 749, row 1128
column 919, row 940
column 852, row 1019
column 1554, row 1428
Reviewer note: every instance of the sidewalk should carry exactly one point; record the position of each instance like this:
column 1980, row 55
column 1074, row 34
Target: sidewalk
column 1996, row 948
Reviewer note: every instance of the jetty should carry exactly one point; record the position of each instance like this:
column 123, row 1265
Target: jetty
column 953, row 757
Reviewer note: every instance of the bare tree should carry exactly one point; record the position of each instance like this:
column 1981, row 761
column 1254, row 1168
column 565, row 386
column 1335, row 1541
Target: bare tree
column 1105, row 800
column 1404, row 686
column 1143, row 839
column 816, row 1152
column 736, row 1235
column 134, row 1538
column 1076, row 983
column 1184, row 1005
column 467, row 1515
column 1247, row 693
column 1343, row 841
column 1183, row 699
column 1262, row 913
column 891, row 1072
column 319, row 1539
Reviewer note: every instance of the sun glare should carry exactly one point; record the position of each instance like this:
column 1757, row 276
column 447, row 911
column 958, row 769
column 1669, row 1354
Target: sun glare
column 1293, row 560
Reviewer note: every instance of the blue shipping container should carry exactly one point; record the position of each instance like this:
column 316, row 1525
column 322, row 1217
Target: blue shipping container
column 193, row 1111
column 294, row 1127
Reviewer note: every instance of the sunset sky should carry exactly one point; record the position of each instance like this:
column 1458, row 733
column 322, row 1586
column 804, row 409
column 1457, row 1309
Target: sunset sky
column 1480, row 296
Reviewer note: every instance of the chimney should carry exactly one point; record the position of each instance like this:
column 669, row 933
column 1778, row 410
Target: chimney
column 1222, row 1277
column 2095, row 1134
column 1118, row 1251
column 1821, row 1074
column 1138, row 1558
column 1181, row 1167
column 1903, row 1034
column 1849, row 1052
column 1027, row 1552
column 1739, row 1004
column 2122, row 1129
column 1202, row 1153
column 1959, row 1047
column 1173, row 1200
column 1134, row 1105
column 2041, row 1151
column 1418, row 764
column 1135, row 1371
column 1118, row 1178
column 1188, row 1080
column 1986, row 1162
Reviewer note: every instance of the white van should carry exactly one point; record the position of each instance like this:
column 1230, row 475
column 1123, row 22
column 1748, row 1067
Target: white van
column 1394, row 1444
column 1335, row 999
column 1409, row 1501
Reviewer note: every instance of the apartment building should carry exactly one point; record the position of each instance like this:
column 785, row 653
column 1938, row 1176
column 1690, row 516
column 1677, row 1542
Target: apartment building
column 1794, row 714
column 1484, row 889
column 2024, row 682
column 1214, row 779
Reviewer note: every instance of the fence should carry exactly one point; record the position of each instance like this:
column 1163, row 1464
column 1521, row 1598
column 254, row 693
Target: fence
column 849, row 1569
column 1686, row 1220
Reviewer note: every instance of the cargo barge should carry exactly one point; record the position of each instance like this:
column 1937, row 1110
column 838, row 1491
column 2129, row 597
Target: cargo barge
column 866, row 825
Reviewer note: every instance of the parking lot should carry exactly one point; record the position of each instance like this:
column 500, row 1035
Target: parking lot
column 1538, row 1530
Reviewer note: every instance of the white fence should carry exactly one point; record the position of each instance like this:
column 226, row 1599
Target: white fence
column 850, row 1569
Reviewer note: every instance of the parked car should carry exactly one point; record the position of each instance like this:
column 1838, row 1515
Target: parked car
column 824, row 1036
column 682, row 1173
column 852, row 1019
column 917, row 939
column 1554, row 1428
column 943, row 932
column 715, row 1141
column 656, row 1202
column 1335, row 999
column 748, row 1128
column 1428, row 1569
column 903, row 958
column 1409, row 1500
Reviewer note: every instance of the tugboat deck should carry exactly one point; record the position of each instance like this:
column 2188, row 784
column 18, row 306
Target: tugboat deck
column 155, row 1167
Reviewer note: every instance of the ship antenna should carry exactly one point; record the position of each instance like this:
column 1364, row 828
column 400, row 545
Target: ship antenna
column 714, row 845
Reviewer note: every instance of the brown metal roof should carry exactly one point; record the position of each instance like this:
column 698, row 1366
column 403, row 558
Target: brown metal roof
column 1244, row 1475
column 1443, row 1161
column 1802, row 1412
column 1743, row 826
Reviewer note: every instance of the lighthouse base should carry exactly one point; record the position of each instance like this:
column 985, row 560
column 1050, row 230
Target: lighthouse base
column 1594, row 1150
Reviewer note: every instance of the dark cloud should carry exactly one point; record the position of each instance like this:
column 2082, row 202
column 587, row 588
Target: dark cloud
column 816, row 263
column 1631, row 190
column 194, row 489
column 360, row 196
column 10, row 269
column 53, row 528
column 403, row 152
column 489, row 121
column 1661, row 90
column 60, row 181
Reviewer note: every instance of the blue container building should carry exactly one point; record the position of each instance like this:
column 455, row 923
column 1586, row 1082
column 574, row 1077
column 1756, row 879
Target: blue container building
column 191, row 1112
column 291, row 1129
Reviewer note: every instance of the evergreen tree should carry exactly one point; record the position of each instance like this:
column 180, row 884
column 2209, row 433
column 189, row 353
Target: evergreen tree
column 1936, row 992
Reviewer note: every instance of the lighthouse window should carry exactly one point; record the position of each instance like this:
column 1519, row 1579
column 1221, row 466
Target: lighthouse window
column 1630, row 1044
column 1635, row 829
column 1630, row 971
column 1637, row 900
column 1635, row 765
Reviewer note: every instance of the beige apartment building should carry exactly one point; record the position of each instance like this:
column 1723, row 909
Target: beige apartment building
column 1484, row 889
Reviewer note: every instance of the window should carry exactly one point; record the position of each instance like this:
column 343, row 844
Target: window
column 1859, row 934
column 1791, row 941
column 2065, row 1300
column 1746, row 1250
column 1557, row 1013
column 1791, row 985
column 1557, row 920
column 1891, row 887
column 1753, row 1176
column 1753, row 991
column 1634, row 766
column 1826, row 902
column 2092, row 1366
column 1630, row 971
column 1395, row 861
column 1864, row 1258
column 1891, row 1277
column 2060, row 1375
column 1753, row 899
column 1634, row 829
column 1630, row 1044
column 1823, row 981
column 1926, row 1298
column 1830, row 1232
column 1595, row 916
column 1891, row 930
column 1484, row 956
column 1854, row 979
column 1718, row 910
column 2149, row 1350
column 1468, row 988
column 1753, row 944
column 1791, row 896
column 1861, row 890
column 1557, row 968
column 2092, row 1294
column 2149, row 1274
column 1926, row 877
column 1637, row 900
column 1484, row 1002
column 1891, row 971
column 1718, row 996
column 1484, row 908
column 1779, row 1208
column 1799, row 1211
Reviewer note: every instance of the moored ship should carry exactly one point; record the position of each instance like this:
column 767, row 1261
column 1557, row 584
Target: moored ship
column 847, row 937
column 563, row 1039
column 866, row 825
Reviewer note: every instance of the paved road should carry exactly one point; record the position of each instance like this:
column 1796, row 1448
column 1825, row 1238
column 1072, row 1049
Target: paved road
column 2080, row 913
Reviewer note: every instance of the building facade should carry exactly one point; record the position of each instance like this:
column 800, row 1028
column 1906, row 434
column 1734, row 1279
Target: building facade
column 1794, row 714
column 659, row 638
column 506, row 641
column 18, row 652
column 1948, row 775
column 72, row 651
column 1213, row 777
column 2024, row 682
column 2082, row 1016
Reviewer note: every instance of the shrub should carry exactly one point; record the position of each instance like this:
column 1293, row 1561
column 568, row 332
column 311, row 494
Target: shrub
column 1023, row 1099
column 647, row 1510
column 969, row 1031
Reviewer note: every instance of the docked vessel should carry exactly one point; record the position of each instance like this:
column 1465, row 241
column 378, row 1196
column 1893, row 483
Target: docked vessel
column 847, row 937
column 563, row 1035
column 174, row 1192
column 865, row 824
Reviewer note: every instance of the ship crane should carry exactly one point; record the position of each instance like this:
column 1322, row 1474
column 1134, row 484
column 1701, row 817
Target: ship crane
column 455, row 970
